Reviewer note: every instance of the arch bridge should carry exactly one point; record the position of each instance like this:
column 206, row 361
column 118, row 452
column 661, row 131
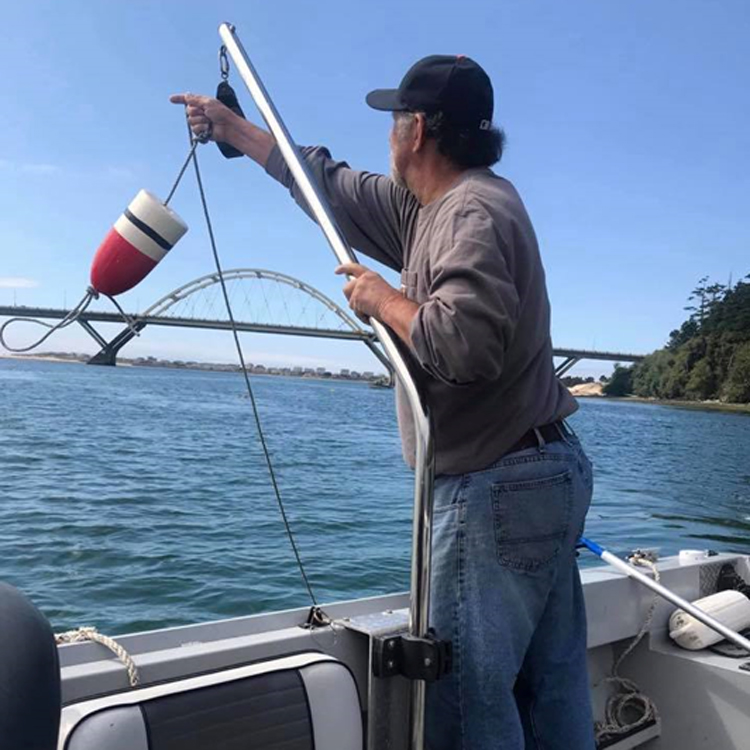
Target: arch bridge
column 263, row 301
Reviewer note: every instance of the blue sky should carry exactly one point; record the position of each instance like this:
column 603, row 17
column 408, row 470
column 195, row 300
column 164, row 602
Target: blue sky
column 627, row 132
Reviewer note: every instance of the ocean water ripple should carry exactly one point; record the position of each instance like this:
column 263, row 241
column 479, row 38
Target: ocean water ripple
column 134, row 498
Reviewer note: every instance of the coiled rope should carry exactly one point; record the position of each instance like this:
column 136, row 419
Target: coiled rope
column 628, row 709
column 80, row 635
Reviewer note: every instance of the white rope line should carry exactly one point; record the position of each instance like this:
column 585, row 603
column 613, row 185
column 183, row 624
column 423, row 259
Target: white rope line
column 79, row 635
column 629, row 709
column 70, row 318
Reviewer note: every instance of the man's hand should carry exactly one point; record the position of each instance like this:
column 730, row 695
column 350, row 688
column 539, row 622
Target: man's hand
column 368, row 292
column 371, row 296
column 205, row 113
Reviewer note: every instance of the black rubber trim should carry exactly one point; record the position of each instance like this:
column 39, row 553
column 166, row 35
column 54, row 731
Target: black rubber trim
column 146, row 229
column 144, row 717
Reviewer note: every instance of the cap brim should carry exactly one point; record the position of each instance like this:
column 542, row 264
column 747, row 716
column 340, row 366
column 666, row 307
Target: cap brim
column 386, row 100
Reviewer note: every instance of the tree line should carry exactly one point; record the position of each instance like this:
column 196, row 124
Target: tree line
column 706, row 358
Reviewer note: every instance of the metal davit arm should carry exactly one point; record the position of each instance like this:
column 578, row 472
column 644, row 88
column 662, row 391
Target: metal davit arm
column 425, row 459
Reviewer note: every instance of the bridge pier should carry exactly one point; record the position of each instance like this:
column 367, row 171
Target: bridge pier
column 107, row 355
column 569, row 362
column 92, row 332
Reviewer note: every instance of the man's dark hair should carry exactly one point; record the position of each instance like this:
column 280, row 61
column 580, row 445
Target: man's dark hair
column 465, row 147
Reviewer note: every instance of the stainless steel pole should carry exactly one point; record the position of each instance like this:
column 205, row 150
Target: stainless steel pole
column 425, row 458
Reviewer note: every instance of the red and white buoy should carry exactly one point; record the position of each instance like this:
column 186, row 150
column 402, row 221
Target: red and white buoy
column 145, row 232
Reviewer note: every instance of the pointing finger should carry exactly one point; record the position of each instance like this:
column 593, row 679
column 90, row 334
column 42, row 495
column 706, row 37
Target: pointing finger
column 195, row 100
column 351, row 269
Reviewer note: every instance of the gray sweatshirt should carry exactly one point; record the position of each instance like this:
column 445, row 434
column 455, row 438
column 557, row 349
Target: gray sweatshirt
column 481, row 349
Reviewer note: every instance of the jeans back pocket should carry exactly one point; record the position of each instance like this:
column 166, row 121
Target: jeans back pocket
column 532, row 519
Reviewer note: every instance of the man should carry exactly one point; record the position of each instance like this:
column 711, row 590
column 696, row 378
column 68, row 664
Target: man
column 513, row 484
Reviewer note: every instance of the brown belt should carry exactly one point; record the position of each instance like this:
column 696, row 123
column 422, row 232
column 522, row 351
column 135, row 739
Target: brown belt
column 549, row 433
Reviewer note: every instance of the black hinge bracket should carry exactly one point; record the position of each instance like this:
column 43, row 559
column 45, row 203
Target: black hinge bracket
column 415, row 658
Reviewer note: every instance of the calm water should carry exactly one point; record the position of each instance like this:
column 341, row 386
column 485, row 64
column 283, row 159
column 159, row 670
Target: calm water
column 133, row 498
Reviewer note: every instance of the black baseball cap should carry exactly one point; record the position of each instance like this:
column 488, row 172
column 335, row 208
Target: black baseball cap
column 452, row 84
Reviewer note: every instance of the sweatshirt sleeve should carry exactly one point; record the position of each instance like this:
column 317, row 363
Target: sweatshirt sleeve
column 374, row 213
column 461, row 333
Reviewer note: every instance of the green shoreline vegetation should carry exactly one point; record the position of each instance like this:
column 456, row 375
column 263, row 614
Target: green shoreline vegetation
column 681, row 404
column 705, row 363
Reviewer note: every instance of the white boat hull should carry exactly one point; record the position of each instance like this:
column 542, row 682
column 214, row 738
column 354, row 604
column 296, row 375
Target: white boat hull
column 702, row 697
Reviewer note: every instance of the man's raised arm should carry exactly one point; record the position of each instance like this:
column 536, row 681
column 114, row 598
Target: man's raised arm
column 375, row 215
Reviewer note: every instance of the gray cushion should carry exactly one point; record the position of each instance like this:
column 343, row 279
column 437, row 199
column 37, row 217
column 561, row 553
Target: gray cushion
column 334, row 705
column 304, row 703
column 114, row 728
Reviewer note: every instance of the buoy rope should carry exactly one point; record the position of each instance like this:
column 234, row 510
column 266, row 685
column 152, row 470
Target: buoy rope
column 194, row 141
column 629, row 702
column 79, row 635
column 128, row 320
column 71, row 317
column 238, row 346
column 91, row 293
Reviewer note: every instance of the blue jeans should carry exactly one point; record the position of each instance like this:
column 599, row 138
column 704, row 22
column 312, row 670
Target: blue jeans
column 506, row 592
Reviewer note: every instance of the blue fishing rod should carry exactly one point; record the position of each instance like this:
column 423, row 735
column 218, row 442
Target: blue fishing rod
column 665, row 593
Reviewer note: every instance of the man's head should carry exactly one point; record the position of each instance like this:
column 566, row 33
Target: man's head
column 442, row 112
